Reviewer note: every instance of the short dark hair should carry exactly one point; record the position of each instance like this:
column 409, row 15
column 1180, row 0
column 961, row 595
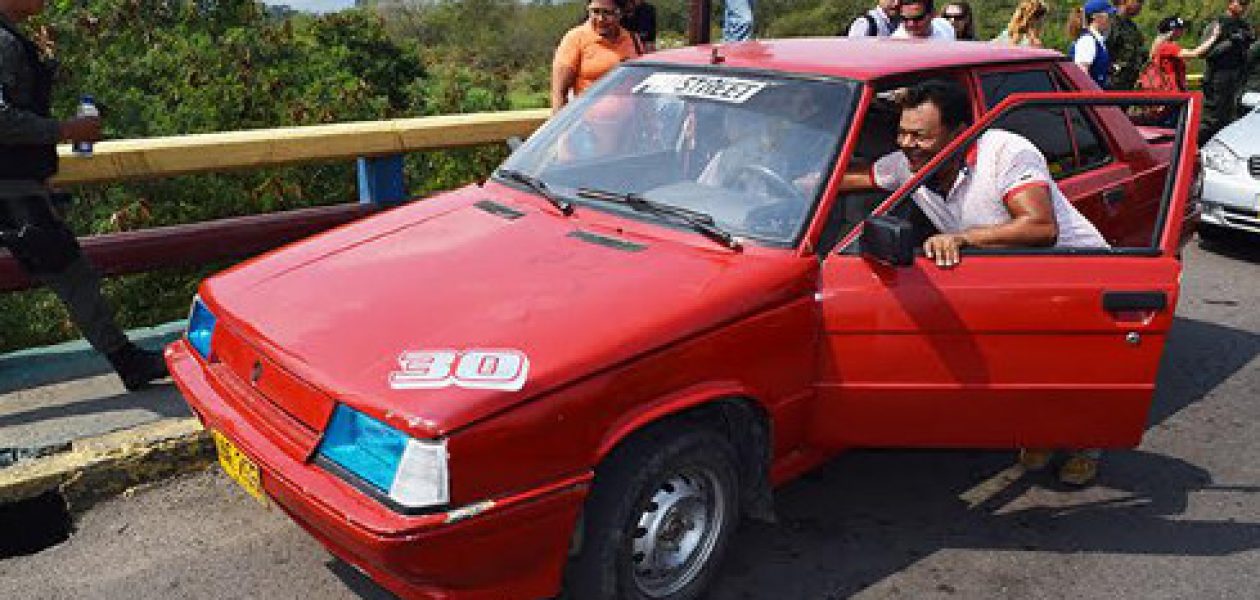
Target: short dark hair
column 948, row 96
column 927, row 4
column 1167, row 24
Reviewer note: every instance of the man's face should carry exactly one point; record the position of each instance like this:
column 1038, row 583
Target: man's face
column 1102, row 21
column 889, row 6
column 605, row 16
column 1238, row 8
column 1131, row 8
column 921, row 134
column 917, row 19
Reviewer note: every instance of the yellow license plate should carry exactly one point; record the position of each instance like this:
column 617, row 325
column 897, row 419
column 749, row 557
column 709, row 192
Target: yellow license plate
column 239, row 467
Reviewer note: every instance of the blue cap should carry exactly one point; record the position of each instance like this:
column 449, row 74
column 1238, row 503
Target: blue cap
column 1093, row 7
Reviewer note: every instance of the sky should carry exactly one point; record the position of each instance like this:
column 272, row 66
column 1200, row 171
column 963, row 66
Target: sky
column 315, row 5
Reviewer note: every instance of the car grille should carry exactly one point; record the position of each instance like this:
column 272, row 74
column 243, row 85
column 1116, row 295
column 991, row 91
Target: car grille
column 1253, row 166
column 1242, row 219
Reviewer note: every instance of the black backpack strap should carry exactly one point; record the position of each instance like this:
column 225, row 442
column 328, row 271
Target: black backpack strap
column 872, row 28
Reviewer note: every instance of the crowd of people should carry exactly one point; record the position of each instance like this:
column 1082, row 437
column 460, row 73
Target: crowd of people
column 1106, row 42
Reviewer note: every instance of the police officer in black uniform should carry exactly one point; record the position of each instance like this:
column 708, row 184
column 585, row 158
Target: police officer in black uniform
column 29, row 226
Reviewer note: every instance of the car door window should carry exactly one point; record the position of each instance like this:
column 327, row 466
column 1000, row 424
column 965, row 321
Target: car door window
column 1069, row 140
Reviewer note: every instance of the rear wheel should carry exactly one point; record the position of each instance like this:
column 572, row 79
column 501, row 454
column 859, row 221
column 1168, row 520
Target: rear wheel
column 659, row 519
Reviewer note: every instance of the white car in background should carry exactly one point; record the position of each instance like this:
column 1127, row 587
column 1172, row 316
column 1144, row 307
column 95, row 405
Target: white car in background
column 1231, row 183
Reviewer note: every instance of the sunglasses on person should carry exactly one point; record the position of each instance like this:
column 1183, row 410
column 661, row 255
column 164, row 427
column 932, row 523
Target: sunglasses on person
column 955, row 16
column 603, row 12
column 914, row 18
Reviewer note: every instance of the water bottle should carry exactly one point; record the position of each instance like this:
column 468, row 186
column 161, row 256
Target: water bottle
column 87, row 108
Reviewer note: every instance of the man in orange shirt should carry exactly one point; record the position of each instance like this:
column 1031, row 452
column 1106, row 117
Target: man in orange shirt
column 590, row 50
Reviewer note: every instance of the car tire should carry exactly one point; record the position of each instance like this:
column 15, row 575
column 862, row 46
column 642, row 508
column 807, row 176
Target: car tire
column 1212, row 234
column 659, row 519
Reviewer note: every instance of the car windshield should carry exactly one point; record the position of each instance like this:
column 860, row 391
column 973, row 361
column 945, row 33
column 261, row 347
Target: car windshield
column 748, row 149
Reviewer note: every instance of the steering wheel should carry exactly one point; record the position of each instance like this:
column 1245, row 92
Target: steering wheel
column 776, row 184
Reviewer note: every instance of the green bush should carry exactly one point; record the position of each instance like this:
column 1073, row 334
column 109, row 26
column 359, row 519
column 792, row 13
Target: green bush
column 189, row 66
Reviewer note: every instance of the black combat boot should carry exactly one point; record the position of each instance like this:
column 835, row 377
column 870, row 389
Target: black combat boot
column 136, row 366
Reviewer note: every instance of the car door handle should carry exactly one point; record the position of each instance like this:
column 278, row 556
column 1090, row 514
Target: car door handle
column 1122, row 301
column 1113, row 197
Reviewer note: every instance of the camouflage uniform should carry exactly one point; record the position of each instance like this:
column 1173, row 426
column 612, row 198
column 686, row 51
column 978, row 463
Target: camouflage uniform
column 1226, row 70
column 1127, row 47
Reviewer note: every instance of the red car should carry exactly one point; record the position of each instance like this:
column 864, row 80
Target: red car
column 581, row 374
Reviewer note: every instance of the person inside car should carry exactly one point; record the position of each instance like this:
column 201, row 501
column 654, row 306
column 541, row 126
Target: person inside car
column 1001, row 194
column 780, row 149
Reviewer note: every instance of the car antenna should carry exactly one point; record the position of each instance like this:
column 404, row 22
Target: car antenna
column 715, row 57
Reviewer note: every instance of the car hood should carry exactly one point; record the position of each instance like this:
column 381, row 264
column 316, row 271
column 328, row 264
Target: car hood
column 340, row 309
column 1242, row 136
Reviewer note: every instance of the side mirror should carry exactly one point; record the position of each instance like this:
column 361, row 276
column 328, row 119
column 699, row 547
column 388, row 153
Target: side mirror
column 889, row 240
column 513, row 143
column 1250, row 100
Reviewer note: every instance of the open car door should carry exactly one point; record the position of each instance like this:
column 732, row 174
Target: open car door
column 1019, row 347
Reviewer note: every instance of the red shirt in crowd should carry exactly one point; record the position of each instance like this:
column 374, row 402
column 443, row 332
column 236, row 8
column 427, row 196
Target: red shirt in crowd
column 1171, row 65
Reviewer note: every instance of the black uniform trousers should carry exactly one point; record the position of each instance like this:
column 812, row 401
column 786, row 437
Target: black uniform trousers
column 49, row 252
column 1221, row 88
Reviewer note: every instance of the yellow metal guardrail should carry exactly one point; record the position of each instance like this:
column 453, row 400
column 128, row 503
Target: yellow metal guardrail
column 199, row 153
column 378, row 144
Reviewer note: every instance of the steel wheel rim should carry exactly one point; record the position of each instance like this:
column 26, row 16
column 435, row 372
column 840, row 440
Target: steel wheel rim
column 677, row 531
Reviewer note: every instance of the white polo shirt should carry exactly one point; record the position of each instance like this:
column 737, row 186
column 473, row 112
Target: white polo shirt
column 1001, row 164
column 941, row 30
column 861, row 28
column 1085, row 49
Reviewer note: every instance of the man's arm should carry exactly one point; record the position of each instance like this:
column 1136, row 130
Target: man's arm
column 564, row 70
column 1032, row 225
column 19, row 126
column 859, row 178
column 562, row 79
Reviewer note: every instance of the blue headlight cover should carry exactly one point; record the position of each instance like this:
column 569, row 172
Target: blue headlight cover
column 364, row 446
column 201, row 328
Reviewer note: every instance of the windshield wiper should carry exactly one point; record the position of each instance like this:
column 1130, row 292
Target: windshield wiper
column 539, row 187
column 698, row 221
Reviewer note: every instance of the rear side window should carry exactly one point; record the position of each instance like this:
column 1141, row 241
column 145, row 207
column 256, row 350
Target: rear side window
column 1069, row 140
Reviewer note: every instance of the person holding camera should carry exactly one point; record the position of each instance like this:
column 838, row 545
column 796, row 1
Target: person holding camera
column 1226, row 67
column 30, row 227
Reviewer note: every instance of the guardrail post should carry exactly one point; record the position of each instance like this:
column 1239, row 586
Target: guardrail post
column 698, row 22
column 381, row 180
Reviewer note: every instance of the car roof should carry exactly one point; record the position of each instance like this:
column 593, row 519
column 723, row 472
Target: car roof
column 863, row 59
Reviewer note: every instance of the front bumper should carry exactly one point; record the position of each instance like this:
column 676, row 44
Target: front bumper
column 513, row 547
column 1231, row 201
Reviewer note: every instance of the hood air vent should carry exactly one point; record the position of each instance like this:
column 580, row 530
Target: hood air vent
column 499, row 210
column 609, row 242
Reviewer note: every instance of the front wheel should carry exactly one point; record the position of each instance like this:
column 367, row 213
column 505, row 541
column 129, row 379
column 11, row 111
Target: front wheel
column 659, row 519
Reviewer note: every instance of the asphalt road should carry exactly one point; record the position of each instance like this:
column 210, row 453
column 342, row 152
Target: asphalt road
column 1177, row 518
